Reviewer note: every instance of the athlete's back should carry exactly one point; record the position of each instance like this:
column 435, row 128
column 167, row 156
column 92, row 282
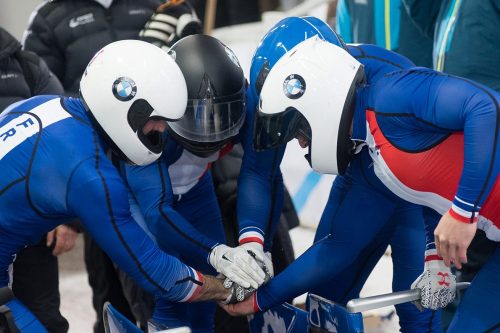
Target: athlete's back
column 54, row 168
column 378, row 61
column 41, row 145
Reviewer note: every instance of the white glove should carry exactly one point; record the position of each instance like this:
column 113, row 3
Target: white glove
column 238, row 265
column 264, row 259
column 437, row 284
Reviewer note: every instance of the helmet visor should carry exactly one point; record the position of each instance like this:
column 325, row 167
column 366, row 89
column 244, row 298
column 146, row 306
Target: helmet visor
column 274, row 130
column 211, row 119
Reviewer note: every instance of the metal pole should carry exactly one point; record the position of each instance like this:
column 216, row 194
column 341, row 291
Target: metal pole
column 210, row 12
column 379, row 301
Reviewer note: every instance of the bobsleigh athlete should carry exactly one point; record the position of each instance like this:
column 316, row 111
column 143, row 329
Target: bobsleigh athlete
column 432, row 139
column 53, row 157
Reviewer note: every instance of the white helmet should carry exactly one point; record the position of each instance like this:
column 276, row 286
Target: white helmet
column 128, row 83
column 311, row 90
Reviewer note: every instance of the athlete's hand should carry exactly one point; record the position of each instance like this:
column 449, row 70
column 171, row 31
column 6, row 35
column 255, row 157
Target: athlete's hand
column 264, row 259
column 452, row 239
column 244, row 308
column 212, row 289
column 65, row 238
column 238, row 265
column 437, row 284
column 238, row 293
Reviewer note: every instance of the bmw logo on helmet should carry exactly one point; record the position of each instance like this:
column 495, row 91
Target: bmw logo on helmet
column 294, row 86
column 124, row 89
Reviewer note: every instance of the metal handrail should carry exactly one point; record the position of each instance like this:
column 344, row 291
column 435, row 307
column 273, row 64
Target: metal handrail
column 379, row 301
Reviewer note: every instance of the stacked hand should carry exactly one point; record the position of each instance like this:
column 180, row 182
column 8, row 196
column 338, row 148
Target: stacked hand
column 230, row 260
column 243, row 308
column 238, row 265
column 238, row 293
column 264, row 259
column 437, row 284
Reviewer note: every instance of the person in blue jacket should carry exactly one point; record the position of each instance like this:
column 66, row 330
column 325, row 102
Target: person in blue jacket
column 174, row 198
column 55, row 167
column 432, row 139
column 361, row 217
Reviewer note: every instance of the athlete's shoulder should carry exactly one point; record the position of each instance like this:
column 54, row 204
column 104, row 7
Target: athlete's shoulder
column 378, row 61
column 364, row 52
column 28, row 104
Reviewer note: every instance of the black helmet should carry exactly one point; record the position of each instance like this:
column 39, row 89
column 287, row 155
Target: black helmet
column 216, row 94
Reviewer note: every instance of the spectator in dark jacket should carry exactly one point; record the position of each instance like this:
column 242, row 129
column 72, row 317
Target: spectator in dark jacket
column 23, row 75
column 67, row 34
column 466, row 35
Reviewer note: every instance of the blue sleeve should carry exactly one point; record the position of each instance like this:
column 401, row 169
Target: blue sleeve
column 98, row 196
column 442, row 104
column 152, row 189
column 260, row 187
column 327, row 259
column 378, row 61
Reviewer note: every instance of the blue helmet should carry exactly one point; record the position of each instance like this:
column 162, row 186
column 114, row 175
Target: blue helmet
column 295, row 102
column 281, row 38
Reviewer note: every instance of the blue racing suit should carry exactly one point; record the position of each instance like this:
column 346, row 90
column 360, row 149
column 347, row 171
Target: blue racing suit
column 176, row 204
column 444, row 129
column 360, row 219
column 54, row 168
column 433, row 140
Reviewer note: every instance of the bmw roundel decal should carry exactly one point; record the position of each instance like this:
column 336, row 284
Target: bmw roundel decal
column 294, row 86
column 124, row 89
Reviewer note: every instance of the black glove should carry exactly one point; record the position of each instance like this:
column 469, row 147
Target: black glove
column 172, row 21
column 238, row 293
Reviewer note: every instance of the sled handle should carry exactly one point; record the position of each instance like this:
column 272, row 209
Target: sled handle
column 379, row 301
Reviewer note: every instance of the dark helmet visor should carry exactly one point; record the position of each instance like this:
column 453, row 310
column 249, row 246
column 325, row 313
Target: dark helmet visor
column 272, row 131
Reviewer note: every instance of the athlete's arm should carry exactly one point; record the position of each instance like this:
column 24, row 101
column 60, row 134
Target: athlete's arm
column 152, row 188
column 443, row 104
column 437, row 103
column 260, row 187
column 355, row 215
column 98, row 196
